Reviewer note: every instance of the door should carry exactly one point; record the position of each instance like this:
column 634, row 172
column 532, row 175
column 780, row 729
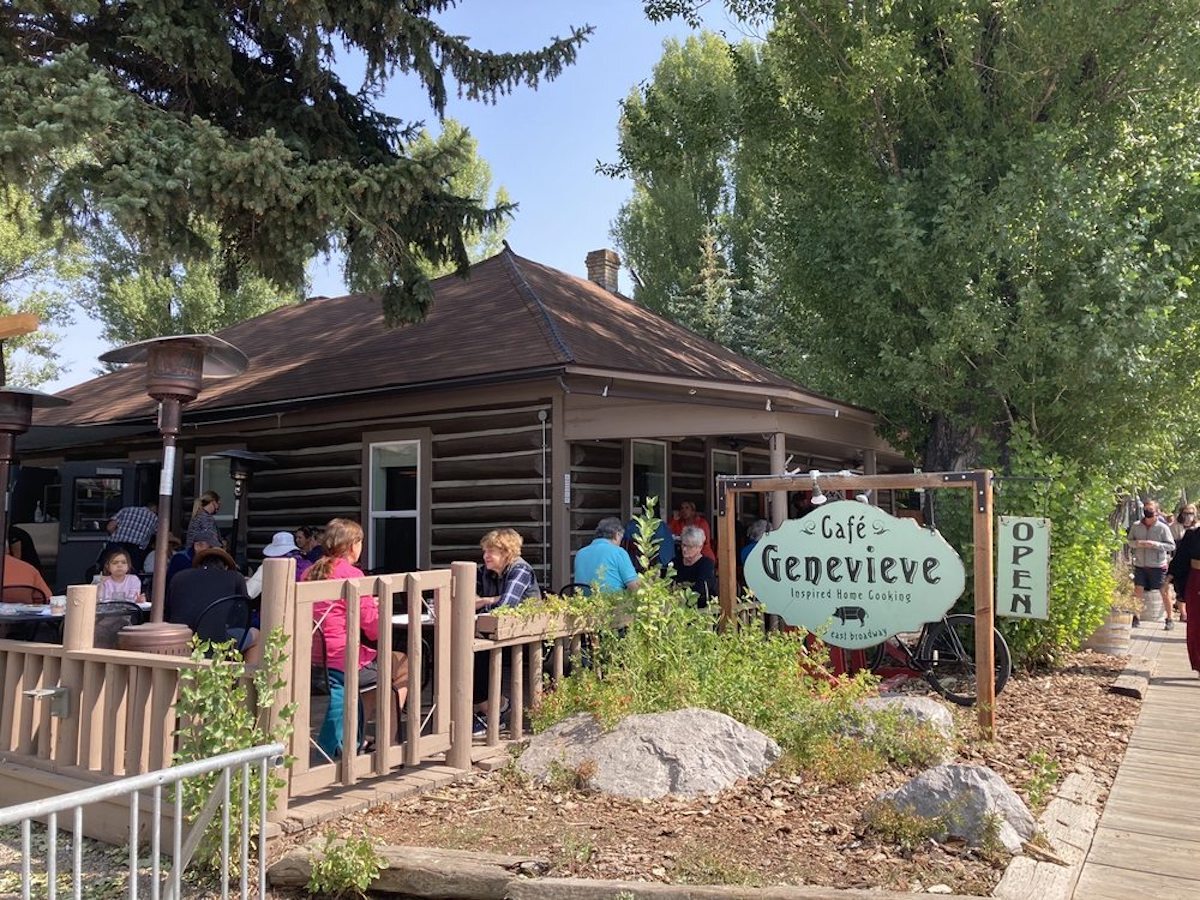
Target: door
column 92, row 492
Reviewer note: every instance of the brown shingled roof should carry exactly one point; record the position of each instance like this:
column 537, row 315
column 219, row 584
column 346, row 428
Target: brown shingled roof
column 510, row 316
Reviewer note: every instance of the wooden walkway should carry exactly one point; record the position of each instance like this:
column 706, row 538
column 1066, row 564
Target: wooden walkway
column 1148, row 841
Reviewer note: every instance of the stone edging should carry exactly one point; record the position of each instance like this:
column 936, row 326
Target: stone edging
column 471, row 875
column 1069, row 823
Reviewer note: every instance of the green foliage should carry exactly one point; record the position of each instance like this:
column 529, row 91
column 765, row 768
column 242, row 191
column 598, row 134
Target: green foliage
column 898, row 826
column 221, row 710
column 37, row 273
column 156, row 118
column 134, row 301
column 1042, row 782
column 345, row 867
column 691, row 230
column 670, row 655
column 983, row 214
column 1082, row 547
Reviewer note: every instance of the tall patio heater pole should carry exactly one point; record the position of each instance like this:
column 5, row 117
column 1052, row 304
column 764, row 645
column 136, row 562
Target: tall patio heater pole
column 16, row 415
column 175, row 367
column 242, row 465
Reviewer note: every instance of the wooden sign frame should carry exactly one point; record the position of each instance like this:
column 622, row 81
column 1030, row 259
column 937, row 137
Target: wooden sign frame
column 977, row 480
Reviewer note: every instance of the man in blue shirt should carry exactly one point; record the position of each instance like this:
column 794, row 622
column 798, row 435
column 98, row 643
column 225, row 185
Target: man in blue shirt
column 604, row 561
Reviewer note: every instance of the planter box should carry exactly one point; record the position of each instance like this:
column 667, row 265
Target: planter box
column 504, row 628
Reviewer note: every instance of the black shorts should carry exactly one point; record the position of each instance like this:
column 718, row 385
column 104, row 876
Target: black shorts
column 1149, row 578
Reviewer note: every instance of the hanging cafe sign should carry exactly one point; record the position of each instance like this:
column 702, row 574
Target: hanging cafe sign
column 855, row 574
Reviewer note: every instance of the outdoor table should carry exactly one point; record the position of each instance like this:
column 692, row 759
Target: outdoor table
column 28, row 619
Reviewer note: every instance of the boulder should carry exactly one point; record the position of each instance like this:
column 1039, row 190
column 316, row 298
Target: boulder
column 917, row 710
column 966, row 800
column 687, row 752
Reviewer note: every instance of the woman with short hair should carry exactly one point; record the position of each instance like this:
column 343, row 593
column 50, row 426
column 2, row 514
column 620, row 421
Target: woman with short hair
column 505, row 579
column 692, row 568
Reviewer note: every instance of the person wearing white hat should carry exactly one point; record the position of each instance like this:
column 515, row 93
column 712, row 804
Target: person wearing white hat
column 282, row 546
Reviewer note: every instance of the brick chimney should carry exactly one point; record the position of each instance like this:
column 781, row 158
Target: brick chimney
column 603, row 267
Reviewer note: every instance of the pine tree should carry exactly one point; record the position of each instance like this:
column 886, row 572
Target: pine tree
column 155, row 117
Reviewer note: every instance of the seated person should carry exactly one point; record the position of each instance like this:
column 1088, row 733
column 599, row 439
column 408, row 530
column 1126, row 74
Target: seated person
column 21, row 545
column 505, row 580
column 693, row 569
column 182, row 560
column 213, row 576
column 282, row 546
column 686, row 517
column 342, row 541
column 23, row 583
column 754, row 534
column 604, row 561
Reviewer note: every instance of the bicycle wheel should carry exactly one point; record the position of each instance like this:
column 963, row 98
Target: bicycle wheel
column 886, row 655
column 948, row 655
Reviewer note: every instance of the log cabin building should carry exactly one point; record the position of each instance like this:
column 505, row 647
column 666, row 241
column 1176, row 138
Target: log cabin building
column 528, row 398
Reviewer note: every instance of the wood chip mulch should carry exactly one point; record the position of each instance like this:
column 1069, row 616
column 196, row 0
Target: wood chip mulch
column 781, row 829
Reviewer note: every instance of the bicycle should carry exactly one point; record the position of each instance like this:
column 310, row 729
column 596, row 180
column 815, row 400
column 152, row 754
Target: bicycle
column 943, row 653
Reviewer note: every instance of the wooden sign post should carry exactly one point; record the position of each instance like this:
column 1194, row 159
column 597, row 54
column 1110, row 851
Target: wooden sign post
column 978, row 481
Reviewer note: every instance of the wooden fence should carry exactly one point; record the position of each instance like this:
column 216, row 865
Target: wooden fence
column 120, row 718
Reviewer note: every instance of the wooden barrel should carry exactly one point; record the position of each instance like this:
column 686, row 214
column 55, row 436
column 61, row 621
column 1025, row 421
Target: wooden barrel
column 1152, row 606
column 1111, row 638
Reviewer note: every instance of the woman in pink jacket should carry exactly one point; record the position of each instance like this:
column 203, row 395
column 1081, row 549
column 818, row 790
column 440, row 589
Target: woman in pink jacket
column 342, row 543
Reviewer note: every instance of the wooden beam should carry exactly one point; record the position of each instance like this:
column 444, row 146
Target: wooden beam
column 727, row 580
column 985, row 661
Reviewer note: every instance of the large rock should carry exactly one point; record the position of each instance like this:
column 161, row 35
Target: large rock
column 914, row 711
column 688, row 752
column 968, row 801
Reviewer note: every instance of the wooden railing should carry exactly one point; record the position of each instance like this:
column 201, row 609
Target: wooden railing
column 120, row 706
column 443, row 596
column 120, row 714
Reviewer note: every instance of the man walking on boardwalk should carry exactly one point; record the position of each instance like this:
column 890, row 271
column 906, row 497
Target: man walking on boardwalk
column 1152, row 544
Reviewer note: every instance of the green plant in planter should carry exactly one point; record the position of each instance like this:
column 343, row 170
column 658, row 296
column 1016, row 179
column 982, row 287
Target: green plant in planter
column 1124, row 601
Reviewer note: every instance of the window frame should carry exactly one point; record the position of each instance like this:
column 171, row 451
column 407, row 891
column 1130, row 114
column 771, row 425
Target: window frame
column 421, row 438
column 664, row 500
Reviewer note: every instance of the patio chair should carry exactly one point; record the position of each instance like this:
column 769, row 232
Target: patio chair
column 226, row 619
column 23, row 593
column 111, row 617
column 574, row 589
column 330, row 682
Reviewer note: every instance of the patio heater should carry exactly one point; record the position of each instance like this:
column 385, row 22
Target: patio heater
column 242, row 465
column 175, row 367
column 16, row 415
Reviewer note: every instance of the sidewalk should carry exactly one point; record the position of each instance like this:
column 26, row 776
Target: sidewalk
column 1148, row 840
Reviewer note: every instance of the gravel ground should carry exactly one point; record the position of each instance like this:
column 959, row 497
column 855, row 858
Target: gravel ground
column 771, row 830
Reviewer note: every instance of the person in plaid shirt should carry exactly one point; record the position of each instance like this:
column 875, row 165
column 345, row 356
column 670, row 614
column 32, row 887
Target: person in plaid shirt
column 131, row 530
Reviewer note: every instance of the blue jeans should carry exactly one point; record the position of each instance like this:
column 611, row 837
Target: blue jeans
column 329, row 739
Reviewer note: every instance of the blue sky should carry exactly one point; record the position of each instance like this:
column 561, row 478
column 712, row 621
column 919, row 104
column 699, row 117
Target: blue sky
column 542, row 145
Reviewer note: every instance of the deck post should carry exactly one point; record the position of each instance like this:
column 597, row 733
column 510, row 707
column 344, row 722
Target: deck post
column 79, row 633
column 462, row 663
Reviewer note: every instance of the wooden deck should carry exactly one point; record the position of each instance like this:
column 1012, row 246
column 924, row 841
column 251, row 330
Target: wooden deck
column 1148, row 840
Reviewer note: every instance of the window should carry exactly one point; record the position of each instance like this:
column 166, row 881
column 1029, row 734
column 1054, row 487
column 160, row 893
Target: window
column 725, row 462
column 97, row 499
column 214, row 476
column 649, row 473
column 395, row 478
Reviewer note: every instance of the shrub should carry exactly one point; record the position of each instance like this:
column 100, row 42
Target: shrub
column 656, row 651
column 346, row 867
column 219, row 713
column 1082, row 545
